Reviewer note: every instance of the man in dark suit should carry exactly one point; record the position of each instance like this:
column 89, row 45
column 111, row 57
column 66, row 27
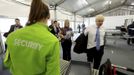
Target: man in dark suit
column 54, row 28
column 13, row 27
column 130, row 29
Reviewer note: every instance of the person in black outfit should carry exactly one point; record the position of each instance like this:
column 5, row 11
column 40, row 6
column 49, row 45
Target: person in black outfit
column 130, row 29
column 79, row 28
column 83, row 27
column 66, row 34
column 54, row 29
column 14, row 27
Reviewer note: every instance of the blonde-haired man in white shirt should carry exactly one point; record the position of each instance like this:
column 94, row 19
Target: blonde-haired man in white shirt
column 95, row 44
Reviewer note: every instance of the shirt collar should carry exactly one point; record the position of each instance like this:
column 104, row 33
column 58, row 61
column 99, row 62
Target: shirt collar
column 97, row 26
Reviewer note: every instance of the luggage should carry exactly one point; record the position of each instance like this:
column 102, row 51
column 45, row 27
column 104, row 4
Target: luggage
column 110, row 69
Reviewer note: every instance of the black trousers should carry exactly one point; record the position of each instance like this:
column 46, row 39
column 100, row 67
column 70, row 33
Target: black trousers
column 66, row 47
column 95, row 56
column 130, row 40
column 5, row 47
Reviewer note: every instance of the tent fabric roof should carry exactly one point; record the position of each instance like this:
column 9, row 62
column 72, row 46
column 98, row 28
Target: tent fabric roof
column 79, row 7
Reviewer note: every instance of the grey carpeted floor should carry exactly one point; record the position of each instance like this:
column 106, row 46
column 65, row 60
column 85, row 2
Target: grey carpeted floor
column 116, row 49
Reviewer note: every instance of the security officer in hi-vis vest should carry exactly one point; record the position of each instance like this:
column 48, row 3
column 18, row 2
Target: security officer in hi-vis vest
column 34, row 50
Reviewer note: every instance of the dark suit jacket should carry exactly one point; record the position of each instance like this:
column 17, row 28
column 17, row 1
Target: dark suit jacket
column 12, row 29
column 81, row 44
column 130, row 31
column 53, row 31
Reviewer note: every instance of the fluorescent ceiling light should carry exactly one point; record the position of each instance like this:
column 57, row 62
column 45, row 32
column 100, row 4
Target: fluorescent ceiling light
column 82, row 2
column 91, row 10
column 132, row 3
column 108, row 2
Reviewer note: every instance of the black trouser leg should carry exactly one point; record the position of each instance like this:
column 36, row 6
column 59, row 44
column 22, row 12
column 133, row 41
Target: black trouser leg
column 66, row 46
column 128, row 41
column 132, row 41
column 5, row 47
column 97, row 57
column 68, row 53
column 64, row 51
column 90, row 55
column 69, row 44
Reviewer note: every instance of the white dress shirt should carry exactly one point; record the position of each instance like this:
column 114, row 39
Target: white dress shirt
column 91, row 32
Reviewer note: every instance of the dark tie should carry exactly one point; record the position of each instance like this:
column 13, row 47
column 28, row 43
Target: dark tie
column 97, row 39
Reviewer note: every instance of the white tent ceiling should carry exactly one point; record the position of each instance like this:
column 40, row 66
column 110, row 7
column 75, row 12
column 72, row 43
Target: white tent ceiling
column 13, row 8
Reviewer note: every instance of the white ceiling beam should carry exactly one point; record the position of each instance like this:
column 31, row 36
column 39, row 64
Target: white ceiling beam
column 111, row 8
column 60, row 2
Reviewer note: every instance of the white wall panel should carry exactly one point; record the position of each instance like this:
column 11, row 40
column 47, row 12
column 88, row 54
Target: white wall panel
column 113, row 21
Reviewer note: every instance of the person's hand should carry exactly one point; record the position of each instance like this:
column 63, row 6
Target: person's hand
column 61, row 36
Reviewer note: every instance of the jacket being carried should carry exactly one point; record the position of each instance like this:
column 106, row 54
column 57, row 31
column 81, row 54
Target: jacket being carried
column 130, row 29
column 81, row 44
column 33, row 50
